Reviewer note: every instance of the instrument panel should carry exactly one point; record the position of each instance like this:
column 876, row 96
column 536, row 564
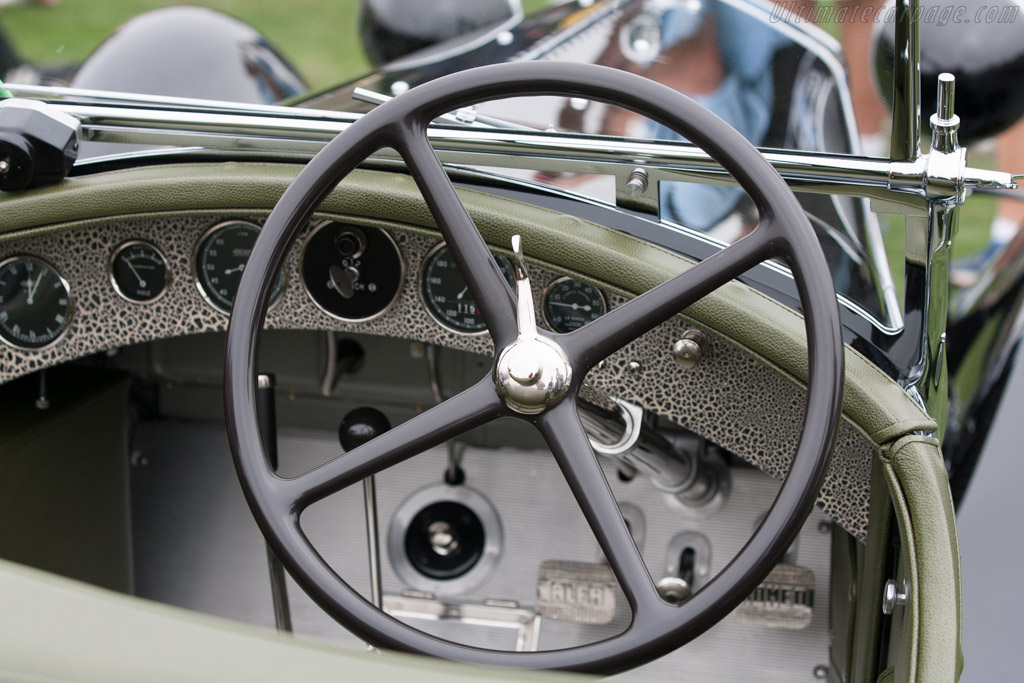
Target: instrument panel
column 99, row 319
column 351, row 273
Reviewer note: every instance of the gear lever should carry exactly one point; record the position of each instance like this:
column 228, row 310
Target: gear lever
column 358, row 427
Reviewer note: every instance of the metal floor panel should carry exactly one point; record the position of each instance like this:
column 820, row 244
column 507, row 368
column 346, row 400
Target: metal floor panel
column 196, row 546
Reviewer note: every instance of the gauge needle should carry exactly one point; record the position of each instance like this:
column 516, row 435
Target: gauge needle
column 33, row 287
column 462, row 293
column 576, row 307
column 239, row 269
column 142, row 283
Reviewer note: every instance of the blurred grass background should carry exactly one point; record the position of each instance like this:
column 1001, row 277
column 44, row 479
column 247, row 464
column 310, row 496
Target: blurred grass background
column 320, row 37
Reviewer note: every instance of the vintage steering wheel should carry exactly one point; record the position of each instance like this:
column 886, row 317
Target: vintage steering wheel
column 537, row 374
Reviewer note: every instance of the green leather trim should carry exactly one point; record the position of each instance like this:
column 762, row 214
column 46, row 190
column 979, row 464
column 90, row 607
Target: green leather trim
column 56, row 629
column 64, row 492
column 871, row 576
column 926, row 630
column 750, row 320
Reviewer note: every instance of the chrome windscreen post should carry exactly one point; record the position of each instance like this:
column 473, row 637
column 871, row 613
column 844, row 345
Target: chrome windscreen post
column 905, row 141
column 939, row 178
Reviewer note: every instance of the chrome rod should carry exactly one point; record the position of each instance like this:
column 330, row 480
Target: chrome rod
column 905, row 142
column 372, row 539
column 268, row 427
column 76, row 95
column 871, row 178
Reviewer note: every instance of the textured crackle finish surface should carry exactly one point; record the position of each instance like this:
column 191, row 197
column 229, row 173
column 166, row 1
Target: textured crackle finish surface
column 730, row 398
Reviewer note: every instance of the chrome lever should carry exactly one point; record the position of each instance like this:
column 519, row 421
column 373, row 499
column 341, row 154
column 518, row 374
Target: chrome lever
column 526, row 320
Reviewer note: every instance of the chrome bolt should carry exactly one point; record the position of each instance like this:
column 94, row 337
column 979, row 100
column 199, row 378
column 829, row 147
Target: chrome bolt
column 689, row 350
column 673, row 589
column 634, row 367
column 442, row 538
column 5, row 166
column 893, row 597
column 821, row 672
column 504, row 38
column 637, row 182
column 399, row 87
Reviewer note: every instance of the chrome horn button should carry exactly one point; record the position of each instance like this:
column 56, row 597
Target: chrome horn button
column 532, row 373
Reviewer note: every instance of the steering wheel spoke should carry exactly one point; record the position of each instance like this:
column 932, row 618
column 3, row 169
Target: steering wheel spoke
column 600, row 338
column 486, row 284
column 569, row 443
column 471, row 408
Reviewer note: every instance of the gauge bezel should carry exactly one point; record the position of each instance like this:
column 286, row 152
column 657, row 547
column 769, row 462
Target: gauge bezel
column 71, row 305
column 421, row 286
column 401, row 270
column 195, row 266
column 168, row 276
column 557, row 281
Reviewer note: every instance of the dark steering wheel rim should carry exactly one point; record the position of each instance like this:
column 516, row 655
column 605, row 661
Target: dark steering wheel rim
column 783, row 232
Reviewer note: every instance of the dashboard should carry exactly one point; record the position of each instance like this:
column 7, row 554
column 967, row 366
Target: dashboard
column 141, row 266
column 190, row 264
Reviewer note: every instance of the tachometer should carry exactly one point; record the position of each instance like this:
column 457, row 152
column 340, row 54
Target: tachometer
column 35, row 303
column 570, row 304
column 139, row 271
column 220, row 259
column 446, row 294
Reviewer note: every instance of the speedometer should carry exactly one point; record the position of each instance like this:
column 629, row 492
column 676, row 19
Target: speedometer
column 220, row 259
column 446, row 295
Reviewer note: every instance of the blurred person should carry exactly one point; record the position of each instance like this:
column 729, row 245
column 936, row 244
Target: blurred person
column 718, row 55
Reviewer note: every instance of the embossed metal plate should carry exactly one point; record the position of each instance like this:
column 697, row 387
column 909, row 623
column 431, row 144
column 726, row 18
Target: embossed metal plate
column 579, row 592
column 784, row 600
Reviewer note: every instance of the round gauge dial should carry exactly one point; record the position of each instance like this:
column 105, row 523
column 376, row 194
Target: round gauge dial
column 570, row 304
column 35, row 304
column 351, row 273
column 220, row 259
column 139, row 271
column 446, row 294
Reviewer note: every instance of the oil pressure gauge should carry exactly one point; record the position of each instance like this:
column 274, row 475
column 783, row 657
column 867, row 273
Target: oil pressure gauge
column 139, row 272
column 570, row 304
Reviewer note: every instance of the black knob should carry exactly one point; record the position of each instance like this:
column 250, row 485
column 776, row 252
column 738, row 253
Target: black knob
column 361, row 425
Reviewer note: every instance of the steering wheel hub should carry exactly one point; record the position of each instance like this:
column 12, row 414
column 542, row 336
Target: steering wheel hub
column 532, row 375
